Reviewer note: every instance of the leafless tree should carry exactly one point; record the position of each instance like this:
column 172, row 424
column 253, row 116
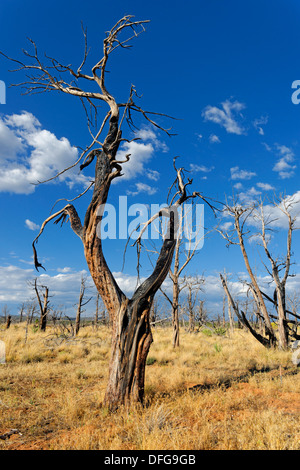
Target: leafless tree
column 5, row 312
column 97, row 311
column 30, row 311
column 187, row 245
column 8, row 321
column 237, row 236
column 43, row 305
column 256, row 212
column 131, row 333
column 193, row 285
column 81, row 304
column 22, row 310
column 229, row 307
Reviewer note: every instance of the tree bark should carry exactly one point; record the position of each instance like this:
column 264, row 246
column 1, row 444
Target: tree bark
column 132, row 337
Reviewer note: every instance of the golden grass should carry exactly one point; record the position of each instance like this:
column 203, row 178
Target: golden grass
column 211, row 393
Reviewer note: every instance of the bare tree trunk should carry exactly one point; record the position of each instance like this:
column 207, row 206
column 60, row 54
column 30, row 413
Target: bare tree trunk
column 130, row 346
column 242, row 317
column 223, row 310
column 80, row 304
column 43, row 319
column 132, row 337
column 43, row 307
column 97, row 312
column 175, row 315
column 282, row 324
column 8, row 322
column 78, row 313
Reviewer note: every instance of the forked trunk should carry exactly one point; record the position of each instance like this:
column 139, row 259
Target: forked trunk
column 131, row 342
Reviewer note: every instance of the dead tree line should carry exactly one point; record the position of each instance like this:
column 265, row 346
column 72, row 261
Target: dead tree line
column 255, row 214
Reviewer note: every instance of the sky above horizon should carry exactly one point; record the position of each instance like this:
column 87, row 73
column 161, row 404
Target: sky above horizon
column 224, row 70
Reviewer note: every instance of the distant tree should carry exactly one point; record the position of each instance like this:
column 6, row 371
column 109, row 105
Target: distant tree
column 193, row 285
column 22, row 310
column 5, row 312
column 43, row 304
column 8, row 321
column 81, row 304
column 187, row 245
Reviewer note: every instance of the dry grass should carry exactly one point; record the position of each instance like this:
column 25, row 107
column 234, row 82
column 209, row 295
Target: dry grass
column 212, row 393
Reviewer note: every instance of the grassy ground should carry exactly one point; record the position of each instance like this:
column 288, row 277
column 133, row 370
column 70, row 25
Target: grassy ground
column 211, row 393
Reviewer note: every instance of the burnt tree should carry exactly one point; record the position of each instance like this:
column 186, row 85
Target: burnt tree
column 131, row 332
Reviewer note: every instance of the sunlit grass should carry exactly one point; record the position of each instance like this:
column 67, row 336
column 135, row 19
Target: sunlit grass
column 213, row 392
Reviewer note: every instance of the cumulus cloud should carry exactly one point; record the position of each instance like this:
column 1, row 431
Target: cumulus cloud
column 238, row 174
column 142, row 188
column 29, row 153
column 284, row 166
column 227, row 116
column 141, row 152
column 64, row 287
column 265, row 186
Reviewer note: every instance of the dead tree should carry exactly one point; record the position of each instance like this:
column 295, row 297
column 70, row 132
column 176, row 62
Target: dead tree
column 185, row 249
column 22, row 310
column 193, row 286
column 97, row 311
column 241, row 315
column 8, row 322
column 257, row 215
column 30, row 311
column 237, row 236
column 131, row 333
column 81, row 304
column 229, row 308
column 278, row 265
column 5, row 312
column 43, row 305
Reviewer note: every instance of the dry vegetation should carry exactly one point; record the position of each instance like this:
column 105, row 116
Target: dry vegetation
column 214, row 392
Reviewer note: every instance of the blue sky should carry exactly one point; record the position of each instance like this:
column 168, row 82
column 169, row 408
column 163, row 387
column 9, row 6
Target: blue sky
column 223, row 69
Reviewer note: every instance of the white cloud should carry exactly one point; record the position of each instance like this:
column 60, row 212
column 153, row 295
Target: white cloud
column 153, row 175
column 214, row 139
column 250, row 196
column 265, row 186
column 284, row 166
column 142, row 188
column 226, row 226
column 237, row 174
column 226, row 117
column 31, row 225
column 200, row 168
column 267, row 147
column 30, row 154
column 278, row 218
column 258, row 123
column 140, row 154
column 64, row 287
